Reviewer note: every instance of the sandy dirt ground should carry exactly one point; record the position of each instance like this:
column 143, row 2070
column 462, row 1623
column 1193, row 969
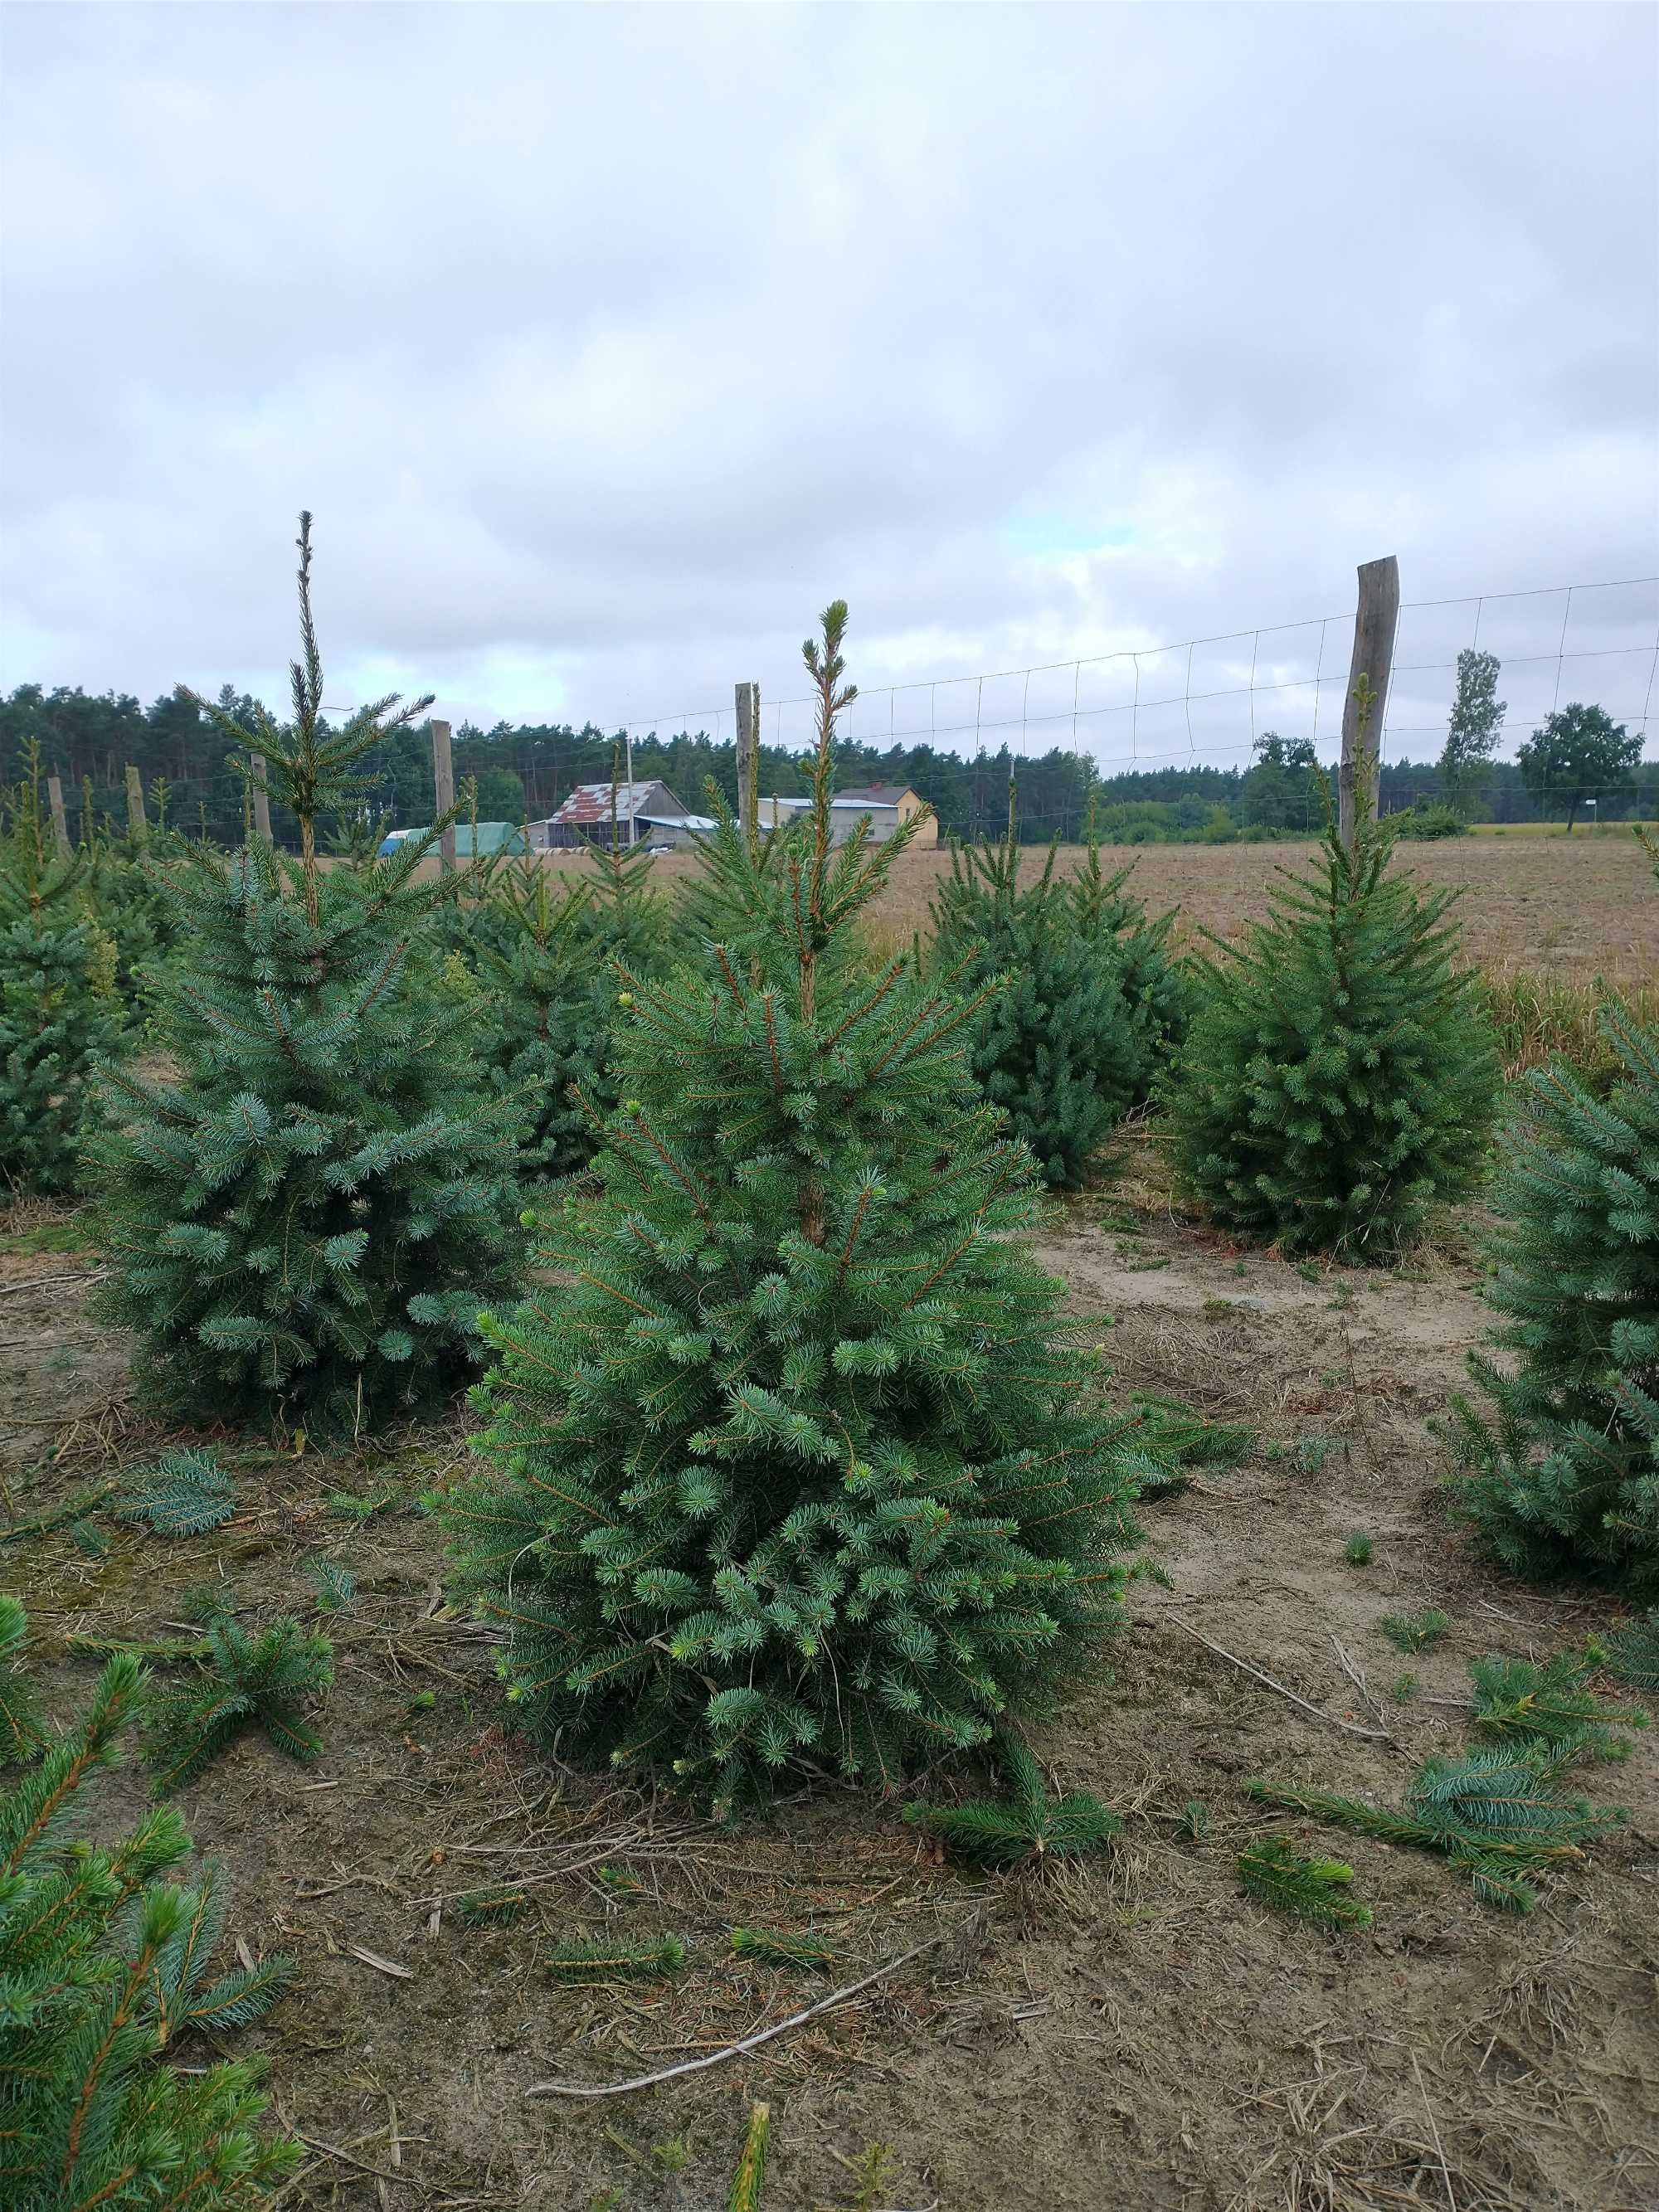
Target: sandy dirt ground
column 1135, row 2033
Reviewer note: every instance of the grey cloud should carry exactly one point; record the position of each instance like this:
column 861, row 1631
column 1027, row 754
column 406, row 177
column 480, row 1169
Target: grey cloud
column 608, row 343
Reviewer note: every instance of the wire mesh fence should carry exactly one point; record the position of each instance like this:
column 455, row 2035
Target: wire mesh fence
column 1147, row 724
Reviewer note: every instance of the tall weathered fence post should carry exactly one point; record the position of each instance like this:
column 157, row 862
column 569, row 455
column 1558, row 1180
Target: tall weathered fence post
column 1376, row 619
column 136, row 822
column 748, row 696
column 443, row 786
column 261, row 798
column 59, row 819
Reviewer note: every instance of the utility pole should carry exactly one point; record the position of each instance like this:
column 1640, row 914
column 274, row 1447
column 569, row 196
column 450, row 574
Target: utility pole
column 748, row 703
column 632, row 819
column 1360, row 779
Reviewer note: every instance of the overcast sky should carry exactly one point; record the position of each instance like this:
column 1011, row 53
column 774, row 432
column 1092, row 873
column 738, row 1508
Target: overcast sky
column 608, row 342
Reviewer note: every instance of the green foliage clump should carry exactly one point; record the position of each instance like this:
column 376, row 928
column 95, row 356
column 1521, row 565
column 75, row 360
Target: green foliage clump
column 1550, row 1707
column 1025, row 1830
column 791, row 1457
column 22, row 1732
column 1428, row 821
column 550, row 964
column 1501, row 1815
column 103, row 1966
column 183, row 1494
column 1337, row 1079
column 247, row 1682
column 1071, row 1041
column 1414, row 1631
column 1357, row 1550
column 1174, row 1438
column 1633, row 1652
column 303, row 1222
column 1562, row 1467
column 1310, row 1889
column 59, row 1017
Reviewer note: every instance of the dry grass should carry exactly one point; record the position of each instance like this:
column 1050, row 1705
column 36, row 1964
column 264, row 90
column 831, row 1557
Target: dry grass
column 1567, row 909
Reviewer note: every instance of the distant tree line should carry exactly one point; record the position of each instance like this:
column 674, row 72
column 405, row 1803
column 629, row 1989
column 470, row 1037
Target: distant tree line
column 528, row 769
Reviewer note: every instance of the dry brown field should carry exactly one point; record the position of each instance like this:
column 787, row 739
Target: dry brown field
column 1572, row 907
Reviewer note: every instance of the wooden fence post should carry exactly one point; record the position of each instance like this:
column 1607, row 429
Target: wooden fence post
column 748, row 697
column 1376, row 619
column 443, row 787
column 261, row 798
column 136, row 822
column 59, row 819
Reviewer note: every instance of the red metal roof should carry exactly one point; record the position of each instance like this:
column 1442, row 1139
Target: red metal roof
column 591, row 802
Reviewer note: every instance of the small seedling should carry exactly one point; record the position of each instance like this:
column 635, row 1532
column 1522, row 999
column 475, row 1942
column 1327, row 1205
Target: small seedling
column 1414, row 1631
column 1312, row 1452
column 673, row 2157
column 352, row 1508
column 89, row 1540
column 1240, row 1266
column 1404, row 1688
column 1517, row 1703
column 1311, row 1889
column 1357, row 1550
column 336, row 1586
column 601, row 1961
column 775, row 1950
column 1193, row 1820
column 422, row 1701
column 247, row 1684
column 184, row 1494
column 873, row 2178
column 1028, row 1827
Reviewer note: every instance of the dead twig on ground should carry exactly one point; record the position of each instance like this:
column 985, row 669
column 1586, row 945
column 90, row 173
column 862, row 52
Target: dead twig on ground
column 746, row 2044
column 1331, row 1720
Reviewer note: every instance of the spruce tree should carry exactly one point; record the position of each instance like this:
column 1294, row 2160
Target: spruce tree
column 791, row 1459
column 1338, row 1078
column 304, row 1221
column 546, row 953
column 104, row 1966
column 58, row 1012
column 1071, row 1042
column 1562, row 1467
